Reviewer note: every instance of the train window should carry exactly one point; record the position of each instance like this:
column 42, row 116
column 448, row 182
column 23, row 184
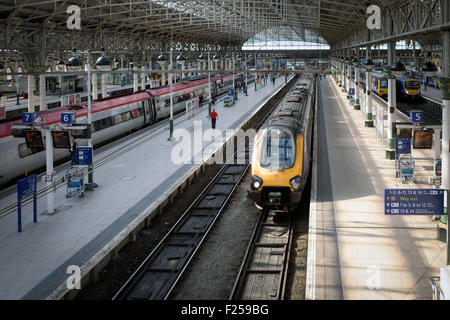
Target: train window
column 383, row 84
column 24, row 151
column 167, row 103
column 412, row 84
column 277, row 150
column 117, row 119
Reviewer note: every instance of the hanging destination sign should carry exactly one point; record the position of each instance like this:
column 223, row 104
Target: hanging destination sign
column 33, row 139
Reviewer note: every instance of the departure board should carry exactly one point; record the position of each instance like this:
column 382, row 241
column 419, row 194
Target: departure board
column 61, row 139
column 422, row 139
column 33, row 139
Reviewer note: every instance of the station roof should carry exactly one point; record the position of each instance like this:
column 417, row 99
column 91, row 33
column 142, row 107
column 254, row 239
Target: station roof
column 225, row 23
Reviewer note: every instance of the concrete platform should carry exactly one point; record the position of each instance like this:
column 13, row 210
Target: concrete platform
column 355, row 251
column 34, row 262
column 432, row 93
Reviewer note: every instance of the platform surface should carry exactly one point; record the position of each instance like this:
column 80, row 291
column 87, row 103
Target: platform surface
column 432, row 93
column 360, row 252
column 34, row 262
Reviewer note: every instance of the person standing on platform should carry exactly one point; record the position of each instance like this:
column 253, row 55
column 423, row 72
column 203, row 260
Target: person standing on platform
column 200, row 101
column 73, row 151
column 273, row 78
column 213, row 115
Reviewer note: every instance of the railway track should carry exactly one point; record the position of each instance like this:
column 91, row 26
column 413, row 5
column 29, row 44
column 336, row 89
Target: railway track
column 159, row 273
column 263, row 272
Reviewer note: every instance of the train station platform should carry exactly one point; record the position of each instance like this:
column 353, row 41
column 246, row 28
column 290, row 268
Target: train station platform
column 432, row 93
column 34, row 262
column 355, row 251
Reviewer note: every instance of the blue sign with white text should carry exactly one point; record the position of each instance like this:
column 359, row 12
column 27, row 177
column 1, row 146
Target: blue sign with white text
column 26, row 187
column 29, row 117
column 402, row 146
column 414, row 202
column 416, row 116
column 352, row 91
column 231, row 92
column 68, row 117
column 84, row 156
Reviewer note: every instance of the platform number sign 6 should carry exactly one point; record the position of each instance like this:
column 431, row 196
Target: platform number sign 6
column 29, row 117
column 416, row 116
column 68, row 118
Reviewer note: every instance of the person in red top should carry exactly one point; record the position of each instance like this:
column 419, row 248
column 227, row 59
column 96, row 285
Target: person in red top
column 213, row 115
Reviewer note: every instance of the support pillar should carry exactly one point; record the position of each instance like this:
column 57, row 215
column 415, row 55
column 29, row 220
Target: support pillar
column 94, row 87
column 135, row 80
column 103, row 84
column 445, row 95
column 163, row 76
column 143, row 78
column 357, row 105
column 369, row 120
column 392, row 102
column 42, row 104
column 31, row 85
column 437, row 144
column 49, row 175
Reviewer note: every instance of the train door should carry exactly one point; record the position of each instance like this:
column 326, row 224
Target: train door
column 153, row 110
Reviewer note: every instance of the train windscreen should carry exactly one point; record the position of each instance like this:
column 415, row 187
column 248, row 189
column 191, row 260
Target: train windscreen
column 277, row 150
column 412, row 84
column 383, row 84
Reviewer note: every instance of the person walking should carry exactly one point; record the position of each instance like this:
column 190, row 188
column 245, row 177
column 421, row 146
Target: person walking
column 213, row 115
column 73, row 151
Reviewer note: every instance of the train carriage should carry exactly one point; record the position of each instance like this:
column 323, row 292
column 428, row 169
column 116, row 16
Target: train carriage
column 111, row 118
column 282, row 150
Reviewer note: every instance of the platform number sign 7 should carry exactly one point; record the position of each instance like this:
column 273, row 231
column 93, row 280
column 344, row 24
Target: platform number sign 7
column 68, row 117
column 29, row 117
column 416, row 116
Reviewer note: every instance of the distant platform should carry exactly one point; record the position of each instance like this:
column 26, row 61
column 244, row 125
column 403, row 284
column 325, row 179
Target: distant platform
column 359, row 252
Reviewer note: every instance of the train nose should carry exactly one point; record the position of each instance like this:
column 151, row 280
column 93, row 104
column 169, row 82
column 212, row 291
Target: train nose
column 275, row 198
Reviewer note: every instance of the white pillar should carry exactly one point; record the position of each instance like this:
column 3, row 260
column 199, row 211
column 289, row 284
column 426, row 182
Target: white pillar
column 43, row 105
column 103, row 84
column 94, row 87
column 31, row 85
column 357, row 105
column 49, row 176
column 163, row 76
column 437, row 144
column 143, row 78
column 135, row 80
column 392, row 102
column 182, row 69
column 369, row 120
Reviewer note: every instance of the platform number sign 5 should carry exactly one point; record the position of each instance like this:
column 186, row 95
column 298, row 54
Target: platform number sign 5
column 29, row 117
column 416, row 116
column 68, row 117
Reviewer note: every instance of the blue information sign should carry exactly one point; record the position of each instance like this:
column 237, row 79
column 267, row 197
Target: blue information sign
column 68, row 117
column 352, row 91
column 26, row 187
column 414, row 202
column 402, row 146
column 84, row 156
column 231, row 92
column 29, row 117
column 416, row 116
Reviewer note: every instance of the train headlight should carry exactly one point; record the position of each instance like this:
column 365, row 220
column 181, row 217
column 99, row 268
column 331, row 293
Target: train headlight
column 296, row 183
column 256, row 182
